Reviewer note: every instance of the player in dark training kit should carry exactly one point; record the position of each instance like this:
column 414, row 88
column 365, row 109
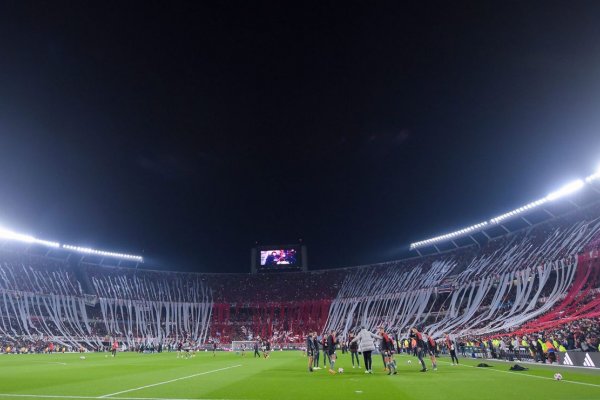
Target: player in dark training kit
column 420, row 346
column 431, row 349
column 266, row 349
column 332, row 342
column 256, row 346
column 387, row 349
column 310, row 351
column 317, row 351
column 115, row 347
column 353, row 347
column 326, row 359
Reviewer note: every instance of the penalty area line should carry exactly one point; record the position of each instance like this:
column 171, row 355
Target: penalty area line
column 169, row 381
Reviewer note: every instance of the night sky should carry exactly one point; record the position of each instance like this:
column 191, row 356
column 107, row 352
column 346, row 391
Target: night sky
column 187, row 132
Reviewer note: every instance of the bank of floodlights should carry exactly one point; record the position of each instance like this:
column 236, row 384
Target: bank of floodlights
column 564, row 191
column 448, row 236
column 87, row 250
column 19, row 237
column 594, row 177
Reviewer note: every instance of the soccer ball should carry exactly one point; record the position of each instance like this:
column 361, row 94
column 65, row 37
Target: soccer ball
column 82, row 358
column 557, row 376
column 341, row 370
column 409, row 361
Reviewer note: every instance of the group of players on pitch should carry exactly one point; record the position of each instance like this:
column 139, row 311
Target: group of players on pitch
column 364, row 342
column 263, row 345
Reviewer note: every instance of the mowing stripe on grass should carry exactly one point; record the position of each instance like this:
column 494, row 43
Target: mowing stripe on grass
column 520, row 374
column 169, row 381
column 55, row 396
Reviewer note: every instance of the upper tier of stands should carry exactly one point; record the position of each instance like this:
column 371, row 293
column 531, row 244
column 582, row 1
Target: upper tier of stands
column 45, row 296
column 549, row 241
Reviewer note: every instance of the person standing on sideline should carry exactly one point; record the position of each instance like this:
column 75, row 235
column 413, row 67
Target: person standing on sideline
column 366, row 345
column 256, row 353
column 317, row 351
column 326, row 359
column 310, row 351
column 452, row 349
column 353, row 347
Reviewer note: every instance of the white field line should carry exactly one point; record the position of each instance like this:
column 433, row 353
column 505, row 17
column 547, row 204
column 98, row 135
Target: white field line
column 537, row 364
column 522, row 374
column 53, row 396
column 51, row 362
column 169, row 381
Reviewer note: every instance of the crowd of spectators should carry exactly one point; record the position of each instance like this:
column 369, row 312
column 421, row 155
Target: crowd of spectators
column 35, row 287
column 34, row 274
column 581, row 335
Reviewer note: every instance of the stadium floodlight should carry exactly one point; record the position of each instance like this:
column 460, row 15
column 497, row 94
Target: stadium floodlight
column 594, row 177
column 519, row 210
column 566, row 190
column 10, row 235
column 447, row 236
column 87, row 250
column 563, row 191
column 19, row 237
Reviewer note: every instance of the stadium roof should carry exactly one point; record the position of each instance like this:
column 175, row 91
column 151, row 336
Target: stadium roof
column 563, row 192
column 7, row 234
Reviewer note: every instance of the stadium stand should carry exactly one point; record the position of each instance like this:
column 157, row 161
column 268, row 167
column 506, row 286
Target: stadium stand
column 542, row 280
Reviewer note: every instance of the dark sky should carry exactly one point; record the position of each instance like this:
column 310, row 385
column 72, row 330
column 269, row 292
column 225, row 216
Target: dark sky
column 188, row 131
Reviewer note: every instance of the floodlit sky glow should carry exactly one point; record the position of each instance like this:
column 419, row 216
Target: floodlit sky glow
column 190, row 132
column 10, row 235
column 564, row 191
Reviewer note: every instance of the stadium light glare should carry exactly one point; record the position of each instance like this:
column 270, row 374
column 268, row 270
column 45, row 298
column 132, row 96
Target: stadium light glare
column 87, row 250
column 566, row 190
column 450, row 235
column 519, row 210
column 19, row 237
column 7, row 234
column 594, row 177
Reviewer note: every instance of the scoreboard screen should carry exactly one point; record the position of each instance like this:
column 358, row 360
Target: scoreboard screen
column 279, row 258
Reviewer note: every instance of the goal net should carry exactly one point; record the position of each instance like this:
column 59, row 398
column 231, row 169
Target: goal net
column 248, row 345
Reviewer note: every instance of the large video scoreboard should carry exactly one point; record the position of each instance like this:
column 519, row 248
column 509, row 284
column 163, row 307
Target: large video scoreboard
column 279, row 258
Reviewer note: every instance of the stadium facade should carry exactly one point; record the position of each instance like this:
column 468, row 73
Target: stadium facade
column 538, row 275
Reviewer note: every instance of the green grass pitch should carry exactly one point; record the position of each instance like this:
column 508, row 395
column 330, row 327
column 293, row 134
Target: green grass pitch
column 283, row 376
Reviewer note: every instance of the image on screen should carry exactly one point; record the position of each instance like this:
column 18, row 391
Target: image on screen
column 279, row 258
